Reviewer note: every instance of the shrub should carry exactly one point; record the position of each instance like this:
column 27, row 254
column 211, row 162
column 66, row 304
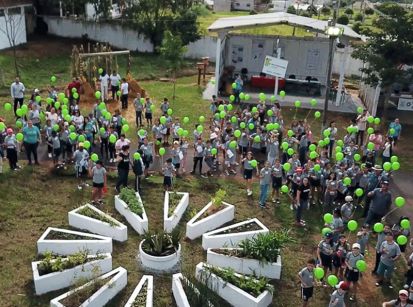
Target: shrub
column 325, row 10
column 343, row 20
column 357, row 27
column 291, row 10
column 219, row 197
column 129, row 197
column 369, row 11
column 348, row 11
column 358, row 17
column 161, row 243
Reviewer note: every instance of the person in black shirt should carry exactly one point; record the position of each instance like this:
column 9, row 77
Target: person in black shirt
column 303, row 192
column 123, row 167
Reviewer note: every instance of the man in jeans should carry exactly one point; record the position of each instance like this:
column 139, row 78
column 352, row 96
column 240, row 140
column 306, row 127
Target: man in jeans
column 198, row 155
column 17, row 93
column 265, row 180
column 390, row 252
column 31, row 139
column 380, row 203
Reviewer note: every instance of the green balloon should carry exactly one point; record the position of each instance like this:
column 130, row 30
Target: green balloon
column 7, row 106
column 405, row 223
column 313, row 103
column 53, row 79
column 327, row 132
column 402, row 240
column 81, row 138
column 142, row 132
column 221, row 107
column 357, row 157
column 359, row 192
column 242, row 125
column 284, row 188
column 222, row 114
column 377, row 121
column 137, row 156
column 370, row 119
column 370, row 130
column 231, row 98
column 287, row 166
column 233, row 144
column 169, row 111
column 162, row 151
column 269, row 127
column 180, row 131
column 251, row 126
column 214, row 151
column 282, row 94
column 257, row 139
column 297, row 103
column 56, row 127
column 284, row 145
column 332, row 280
column 86, row 144
column 247, row 97
column 94, row 157
column 395, row 166
column 185, row 133
column 328, row 218
column 387, row 166
column 313, row 155
column 339, row 156
column 400, row 201
column 163, row 120
column 378, row 227
column 272, row 98
column 237, row 133
column 352, row 225
column 112, row 138
column 325, row 231
column 100, row 71
column 19, row 136
column 270, row 112
column 241, row 96
column 317, row 167
column 318, row 273
column 201, row 119
column 254, row 110
column 234, row 85
column 360, row 110
column 19, row 112
column 317, row 114
column 340, row 143
column 253, row 163
column 19, row 124
column 186, row 119
column 290, row 133
column 321, row 143
column 262, row 96
column 125, row 128
column 394, row 159
column 73, row 136
column 200, row 128
column 312, row 147
column 98, row 94
column 72, row 128
column 361, row 265
column 347, row 181
column 290, row 151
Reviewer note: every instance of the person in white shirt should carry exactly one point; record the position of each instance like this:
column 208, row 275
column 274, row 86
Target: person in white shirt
column 361, row 121
column 17, row 93
column 123, row 141
column 104, row 83
column 124, row 88
column 114, row 84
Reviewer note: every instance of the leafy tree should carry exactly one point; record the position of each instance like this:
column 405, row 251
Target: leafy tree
column 357, row 27
column 173, row 50
column 102, row 8
column 358, row 17
column 343, row 20
column 325, row 10
column 312, row 10
column 348, row 11
column 369, row 11
column 388, row 51
column 291, row 10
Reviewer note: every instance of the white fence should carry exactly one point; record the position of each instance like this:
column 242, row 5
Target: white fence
column 18, row 31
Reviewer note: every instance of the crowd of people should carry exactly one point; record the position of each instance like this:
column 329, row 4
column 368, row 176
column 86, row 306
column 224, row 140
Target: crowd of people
column 340, row 175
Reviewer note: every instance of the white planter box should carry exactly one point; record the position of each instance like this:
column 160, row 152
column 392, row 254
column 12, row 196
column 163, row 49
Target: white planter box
column 195, row 227
column 164, row 264
column 104, row 294
column 118, row 232
column 245, row 265
column 97, row 244
column 232, row 294
column 59, row 280
column 170, row 222
column 213, row 239
column 178, row 291
column 149, row 293
column 139, row 224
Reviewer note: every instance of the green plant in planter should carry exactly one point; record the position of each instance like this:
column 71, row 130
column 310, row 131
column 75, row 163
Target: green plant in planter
column 161, row 243
column 129, row 197
column 218, row 198
column 52, row 263
column 265, row 247
column 174, row 199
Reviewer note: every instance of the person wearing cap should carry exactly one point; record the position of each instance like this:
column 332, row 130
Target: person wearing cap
column 337, row 297
column 402, row 301
column 380, row 239
column 325, row 250
column 390, row 252
column 352, row 274
column 374, row 180
column 363, row 238
column 381, row 199
column 10, row 143
column 306, row 276
column 168, row 170
column 81, row 157
column 347, row 210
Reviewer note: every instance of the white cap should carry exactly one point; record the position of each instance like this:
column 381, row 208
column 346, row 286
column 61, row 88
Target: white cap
column 36, row 90
column 348, row 198
column 213, row 136
column 404, row 292
column 355, row 245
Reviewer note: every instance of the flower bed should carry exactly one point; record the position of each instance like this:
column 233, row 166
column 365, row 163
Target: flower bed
column 175, row 204
column 180, row 288
column 66, row 242
column 89, row 218
column 143, row 293
column 97, row 292
column 236, row 289
column 231, row 235
column 209, row 218
column 135, row 215
column 58, row 273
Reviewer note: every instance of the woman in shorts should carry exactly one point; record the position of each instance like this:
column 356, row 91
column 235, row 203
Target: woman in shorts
column 248, row 170
column 98, row 174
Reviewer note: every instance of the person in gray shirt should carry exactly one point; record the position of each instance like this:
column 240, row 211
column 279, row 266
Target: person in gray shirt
column 390, row 252
column 380, row 239
column 380, row 203
column 306, row 276
column 337, row 298
column 265, row 181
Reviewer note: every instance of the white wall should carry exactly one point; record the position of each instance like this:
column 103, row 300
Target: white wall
column 352, row 66
column 243, row 5
column 20, row 26
column 204, row 47
column 115, row 35
column 222, row 5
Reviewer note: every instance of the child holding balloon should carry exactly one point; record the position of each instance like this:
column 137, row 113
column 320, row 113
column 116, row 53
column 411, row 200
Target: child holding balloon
column 354, row 264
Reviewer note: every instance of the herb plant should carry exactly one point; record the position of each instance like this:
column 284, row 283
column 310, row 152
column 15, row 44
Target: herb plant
column 174, row 199
column 86, row 211
column 161, row 243
column 140, row 300
column 129, row 197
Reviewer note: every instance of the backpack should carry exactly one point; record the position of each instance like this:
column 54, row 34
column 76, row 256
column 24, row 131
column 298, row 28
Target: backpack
column 137, row 167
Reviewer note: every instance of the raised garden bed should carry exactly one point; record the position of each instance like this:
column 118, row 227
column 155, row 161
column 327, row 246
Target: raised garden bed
column 236, row 289
column 90, row 218
column 97, row 292
column 131, row 207
column 142, row 296
column 175, row 204
column 186, row 293
column 160, row 252
column 209, row 218
column 231, row 235
column 66, row 242
column 54, row 273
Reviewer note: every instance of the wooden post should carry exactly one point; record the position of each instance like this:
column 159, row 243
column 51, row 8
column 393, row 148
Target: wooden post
column 129, row 64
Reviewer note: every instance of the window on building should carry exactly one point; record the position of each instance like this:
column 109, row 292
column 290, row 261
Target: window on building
column 14, row 11
column 1, row 12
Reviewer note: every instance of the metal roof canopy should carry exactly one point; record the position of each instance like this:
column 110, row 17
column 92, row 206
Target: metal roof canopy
column 232, row 23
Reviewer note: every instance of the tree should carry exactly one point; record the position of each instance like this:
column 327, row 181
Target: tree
column 388, row 52
column 369, row 11
column 325, row 10
column 348, row 11
column 312, row 10
column 13, row 25
column 343, row 20
column 358, row 17
column 357, row 27
column 173, row 50
column 102, row 8
column 291, row 10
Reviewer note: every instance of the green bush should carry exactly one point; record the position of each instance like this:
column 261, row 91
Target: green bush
column 357, row 27
column 348, row 11
column 343, row 20
column 369, row 11
column 128, row 195
column 161, row 243
column 358, row 17
column 291, row 10
column 325, row 10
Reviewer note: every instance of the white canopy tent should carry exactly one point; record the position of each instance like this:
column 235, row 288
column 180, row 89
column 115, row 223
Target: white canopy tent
column 223, row 25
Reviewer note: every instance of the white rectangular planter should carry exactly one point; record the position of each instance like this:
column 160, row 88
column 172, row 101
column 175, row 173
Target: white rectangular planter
column 195, row 227
column 170, row 222
column 97, row 244
column 118, row 232
column 213, row 239
column 245, row 265
column 59, row 280
column 149, row 293
column 178, row 292
column 139, row 224
column 104, row 294
column 232, row 294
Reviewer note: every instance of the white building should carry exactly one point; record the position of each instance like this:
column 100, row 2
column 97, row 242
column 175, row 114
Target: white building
column 13, row 25
column 243, row 5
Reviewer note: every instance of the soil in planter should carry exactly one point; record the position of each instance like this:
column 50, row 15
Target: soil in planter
column 202, row 298
column 78, row 298
column 229, row 252
column 140, row 300
column 210, row 211
column 174, row 199
column 253, row 226
column 86, row 211
column 58, row 235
